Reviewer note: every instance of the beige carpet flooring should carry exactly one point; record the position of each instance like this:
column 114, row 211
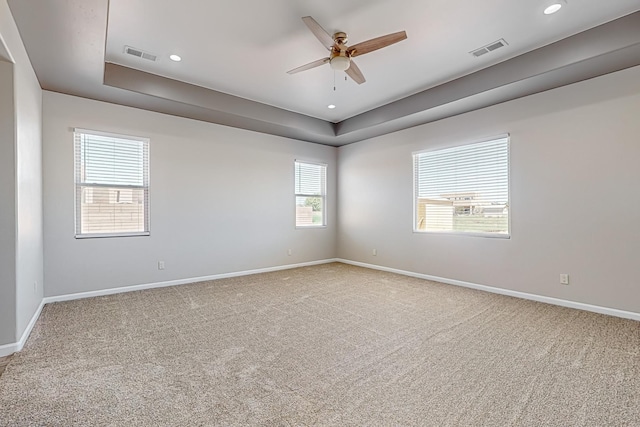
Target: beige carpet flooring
column 4, row 361
column 326, row 345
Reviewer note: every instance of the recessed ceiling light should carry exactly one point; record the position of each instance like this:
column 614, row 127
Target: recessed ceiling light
column 175, row 58
column 552, row 8
column 331, row 106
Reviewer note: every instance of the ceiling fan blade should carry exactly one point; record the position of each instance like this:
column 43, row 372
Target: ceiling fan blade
column 377, row 43
column 320, row 33
column 309, row 66
column 354, row 72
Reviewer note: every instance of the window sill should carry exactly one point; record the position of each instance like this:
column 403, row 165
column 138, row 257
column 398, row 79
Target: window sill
column 463, row 233
column 110, row 235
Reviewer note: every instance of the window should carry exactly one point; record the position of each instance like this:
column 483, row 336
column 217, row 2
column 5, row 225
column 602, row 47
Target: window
column 463, row 189
column 112, row 185
column 311, row 194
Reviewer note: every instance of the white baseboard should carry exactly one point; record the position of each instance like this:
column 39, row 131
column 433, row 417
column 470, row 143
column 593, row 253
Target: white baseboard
column 549, row 300
column 111, row 291
column 7, row 349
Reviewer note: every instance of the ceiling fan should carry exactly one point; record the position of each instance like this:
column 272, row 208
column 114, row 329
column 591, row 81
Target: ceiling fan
column 340, row 55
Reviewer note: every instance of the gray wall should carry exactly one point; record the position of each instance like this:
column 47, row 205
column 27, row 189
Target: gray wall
column 574, row 196
column 7, row 208
column 221, row 201
column 573, row 180
column 29, row 237
column 26, row 138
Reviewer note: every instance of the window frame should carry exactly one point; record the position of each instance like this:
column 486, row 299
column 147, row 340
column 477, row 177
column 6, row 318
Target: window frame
column 79, row 185
column 323, row 196
column 492, row 235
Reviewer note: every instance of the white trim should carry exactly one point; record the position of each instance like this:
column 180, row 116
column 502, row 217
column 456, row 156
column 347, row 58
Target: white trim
column 111, row 291
column 13, row 61
column 7, row 349
column 110, row 235
column 32, row 323
column 112, row 135
column 533, row 297
column 464, row 233
column 311, row 162
column 462, row 143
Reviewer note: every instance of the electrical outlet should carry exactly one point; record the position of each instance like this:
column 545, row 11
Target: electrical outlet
column 160, row 265
column 289, row 252
column 374, row 252
column 564, row 279
column 35, row 286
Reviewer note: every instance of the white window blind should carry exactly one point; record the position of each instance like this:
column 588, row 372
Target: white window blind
column 463, row 189
column 112, row 184
column 310, row 194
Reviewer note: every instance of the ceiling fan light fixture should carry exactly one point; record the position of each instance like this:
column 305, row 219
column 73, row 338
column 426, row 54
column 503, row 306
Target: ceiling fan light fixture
column 340, row 63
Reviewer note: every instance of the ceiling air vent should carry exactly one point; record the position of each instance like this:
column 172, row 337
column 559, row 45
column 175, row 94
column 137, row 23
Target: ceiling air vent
column 489, row 48
column 139, row 53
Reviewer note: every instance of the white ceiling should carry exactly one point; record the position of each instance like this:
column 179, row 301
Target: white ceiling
column 236, row 55
column 245, row 47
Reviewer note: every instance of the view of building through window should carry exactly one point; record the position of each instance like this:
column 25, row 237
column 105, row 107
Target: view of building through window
column 310, row 194
column 112, row 185
column 463, row 189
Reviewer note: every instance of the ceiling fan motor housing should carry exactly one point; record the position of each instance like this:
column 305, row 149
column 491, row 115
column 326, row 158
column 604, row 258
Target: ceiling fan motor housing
column 340, row 38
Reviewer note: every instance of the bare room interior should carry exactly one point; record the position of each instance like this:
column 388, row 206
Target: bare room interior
column 319, row 213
